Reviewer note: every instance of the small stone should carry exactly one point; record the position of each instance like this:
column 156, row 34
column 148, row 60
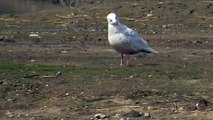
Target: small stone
column 19, row 115
column 144, row 103
column 64, row 51
column 54, row 33
column 181, row 109
column 34, row 35
column 134, row 4
column 9, row 114
column 32, row 60
column 147, row 114
column 150, row 108
column 149, row 15
column 101, row 116
column 131, row 76
column 117, row 115
column 201, row 104
column 161, row 3
column 149, row 76
column 163, row 26
column 58, row 73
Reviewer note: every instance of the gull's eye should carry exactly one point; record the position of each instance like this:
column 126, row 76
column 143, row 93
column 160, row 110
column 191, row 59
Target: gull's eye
column 110, row 20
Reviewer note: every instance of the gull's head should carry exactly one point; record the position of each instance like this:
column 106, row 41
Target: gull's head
column 112, row 18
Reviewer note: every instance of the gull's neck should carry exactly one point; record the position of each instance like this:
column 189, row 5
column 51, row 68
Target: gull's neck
column 113, row 29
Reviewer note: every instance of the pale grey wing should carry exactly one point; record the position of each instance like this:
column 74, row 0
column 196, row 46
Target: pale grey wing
column 142, row 45
column 134, row 38
column 137, row 42
column 130, row 32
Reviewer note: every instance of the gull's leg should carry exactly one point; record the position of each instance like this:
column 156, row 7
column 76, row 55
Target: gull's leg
column 127, row 59
column 122, row 59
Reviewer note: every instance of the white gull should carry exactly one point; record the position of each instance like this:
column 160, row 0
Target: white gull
column 125, row 40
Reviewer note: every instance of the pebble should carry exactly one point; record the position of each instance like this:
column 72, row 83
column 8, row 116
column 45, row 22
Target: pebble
column 150, row 108
column 147, row 114
column 149, row 76
column 32, row 60
column 163, row 26
column 131, row 76
column 9, row 114
column 58, row 73
column 19, row 115
column 117, row 115
column 181, row 109
column 135, row 4
column 149, row 15
column 34, row 35
column 64, row 52
column 201, row 104
column 101, row 116
column 161, row 3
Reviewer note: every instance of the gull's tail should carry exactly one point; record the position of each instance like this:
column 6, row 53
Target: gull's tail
column 149, row 50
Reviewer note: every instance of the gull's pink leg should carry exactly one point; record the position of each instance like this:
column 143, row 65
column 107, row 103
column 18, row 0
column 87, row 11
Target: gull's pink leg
column 127, row 59
column 122, row 57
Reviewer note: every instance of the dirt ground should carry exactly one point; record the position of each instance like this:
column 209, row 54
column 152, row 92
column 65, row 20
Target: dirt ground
column 58, row 64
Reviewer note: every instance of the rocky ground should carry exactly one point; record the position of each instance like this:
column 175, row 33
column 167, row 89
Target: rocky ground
column 58, row 64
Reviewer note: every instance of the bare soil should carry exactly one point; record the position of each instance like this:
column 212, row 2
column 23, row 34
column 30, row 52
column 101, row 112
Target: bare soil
column 70, row 72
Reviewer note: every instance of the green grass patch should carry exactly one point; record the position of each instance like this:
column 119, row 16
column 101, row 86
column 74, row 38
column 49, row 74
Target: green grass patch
column 165, row 77
column 168, row 73
column 26, row 70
